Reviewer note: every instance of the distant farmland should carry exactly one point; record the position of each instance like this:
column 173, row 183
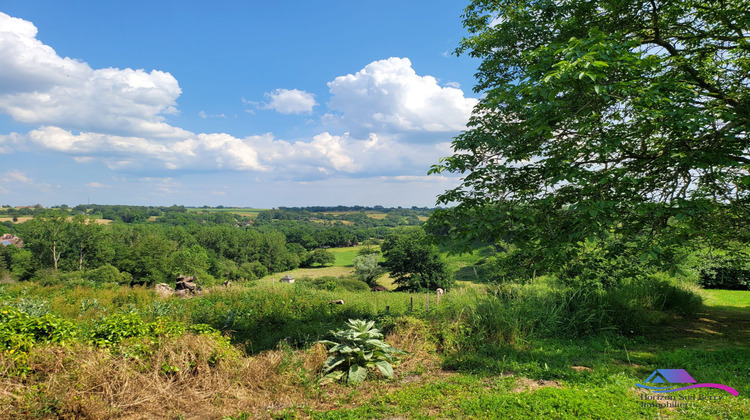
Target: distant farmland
column 247, row 212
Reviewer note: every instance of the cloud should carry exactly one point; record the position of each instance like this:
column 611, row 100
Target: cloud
column 292, row 101
column 39, row 87
column 388, row 95
column 16, row 176
column 9, row 142
column 201, row 152
column 386, row 119
column 204, row 115
column 97, row 185
column 160, row 186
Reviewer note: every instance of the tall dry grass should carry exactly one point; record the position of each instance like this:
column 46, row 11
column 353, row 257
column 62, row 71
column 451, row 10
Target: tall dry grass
column 190, row 376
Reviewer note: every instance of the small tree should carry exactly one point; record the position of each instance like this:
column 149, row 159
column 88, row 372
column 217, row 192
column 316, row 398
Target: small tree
column 414, row 262
column 321, row 256
column 366, row 267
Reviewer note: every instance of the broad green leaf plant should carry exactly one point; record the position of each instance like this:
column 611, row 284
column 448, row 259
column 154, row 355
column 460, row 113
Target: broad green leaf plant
column 358, row 350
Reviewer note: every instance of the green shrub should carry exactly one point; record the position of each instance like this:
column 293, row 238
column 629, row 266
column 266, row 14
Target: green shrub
column 47, row 277
column 331, row 283
column 729, row 272
column 256, row 267
column 513, row 314
column 117, row 327
column 19, row 332
column 47, row 328
column 352, row 285
column 108, row 274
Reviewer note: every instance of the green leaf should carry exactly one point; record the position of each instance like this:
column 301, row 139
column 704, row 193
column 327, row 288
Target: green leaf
column 357, row 374
column 331, row 377
column 385, row 368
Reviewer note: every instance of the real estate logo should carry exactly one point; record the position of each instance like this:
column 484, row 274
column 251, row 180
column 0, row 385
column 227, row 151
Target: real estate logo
column 674, row 378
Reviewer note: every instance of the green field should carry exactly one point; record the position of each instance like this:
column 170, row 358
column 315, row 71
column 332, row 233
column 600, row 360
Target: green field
column 726, row 298
column 247, row 212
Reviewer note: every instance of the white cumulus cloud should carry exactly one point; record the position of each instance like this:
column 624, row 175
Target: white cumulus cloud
column 39, row 87
column 388, row 120
column 291, row 101
column 389, row 95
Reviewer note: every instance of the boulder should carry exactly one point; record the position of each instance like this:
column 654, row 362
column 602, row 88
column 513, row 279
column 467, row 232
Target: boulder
column 186, row 283
column 163, row 290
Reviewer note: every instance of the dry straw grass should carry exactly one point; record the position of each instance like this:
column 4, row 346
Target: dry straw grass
column 85, row 382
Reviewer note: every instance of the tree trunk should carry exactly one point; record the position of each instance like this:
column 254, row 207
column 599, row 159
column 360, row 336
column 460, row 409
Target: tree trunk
column 55, row 255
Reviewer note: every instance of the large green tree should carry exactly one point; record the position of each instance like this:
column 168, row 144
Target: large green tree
column 603, row 118
column 414, row 263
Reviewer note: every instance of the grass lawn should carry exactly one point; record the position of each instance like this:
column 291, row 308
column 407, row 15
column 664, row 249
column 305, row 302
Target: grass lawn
column 726, row 298
column 345, row 256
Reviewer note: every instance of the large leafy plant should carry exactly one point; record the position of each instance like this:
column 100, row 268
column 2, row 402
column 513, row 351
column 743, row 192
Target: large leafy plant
column 358, row 350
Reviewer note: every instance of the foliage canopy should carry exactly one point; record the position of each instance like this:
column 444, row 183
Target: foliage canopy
column 414, row 262
column 601, row 118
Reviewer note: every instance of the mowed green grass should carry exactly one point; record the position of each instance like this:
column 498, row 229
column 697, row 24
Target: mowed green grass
column 735, row 298
column 345, row 256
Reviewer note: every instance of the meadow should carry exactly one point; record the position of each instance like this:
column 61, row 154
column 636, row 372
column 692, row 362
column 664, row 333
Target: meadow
column 249, row 350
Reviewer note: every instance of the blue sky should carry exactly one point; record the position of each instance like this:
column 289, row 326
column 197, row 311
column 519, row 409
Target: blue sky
column 239, row 103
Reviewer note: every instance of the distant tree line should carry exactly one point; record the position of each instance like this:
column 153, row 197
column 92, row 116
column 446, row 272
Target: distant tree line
column 56, row 243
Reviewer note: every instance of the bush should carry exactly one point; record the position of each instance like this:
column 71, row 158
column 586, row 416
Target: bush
column 730, row 272
column 19, row 332
column 47, row 277
column 256, row 268
column 117, row 327
column 353, row 285
column 512, row 314
column 331, row 283
column 108, row 274
column 47, row 328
